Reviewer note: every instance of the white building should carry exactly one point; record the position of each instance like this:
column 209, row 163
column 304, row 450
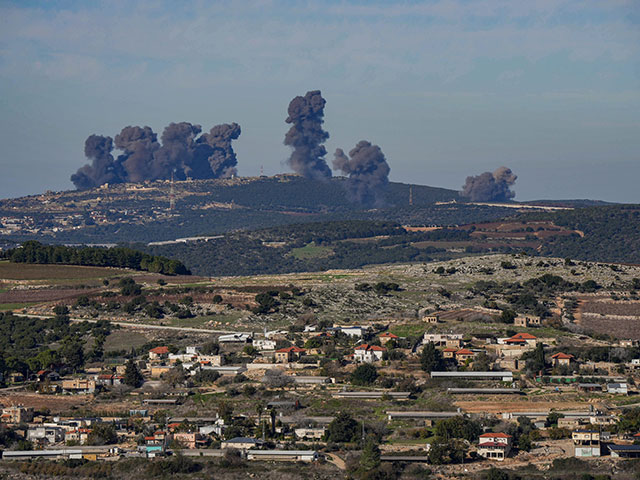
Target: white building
column 366, row 353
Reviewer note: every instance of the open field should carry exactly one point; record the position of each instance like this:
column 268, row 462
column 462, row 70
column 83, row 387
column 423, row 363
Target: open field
column 22, row 271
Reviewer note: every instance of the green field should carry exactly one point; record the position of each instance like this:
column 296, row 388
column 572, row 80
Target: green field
column 124, row 340
column 23, row 271
column 311, row 250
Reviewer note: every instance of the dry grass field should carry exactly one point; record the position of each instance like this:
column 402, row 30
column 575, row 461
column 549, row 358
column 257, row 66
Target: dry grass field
column 22, row 271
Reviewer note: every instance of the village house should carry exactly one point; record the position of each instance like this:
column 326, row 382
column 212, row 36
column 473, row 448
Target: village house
column 108, row 380
column 77, row 435
column 158, row 354
column 463, row 355
column 386, row 337
column 521, row 339
column 79, row 386
column 190, row 440
column 212, row 360
column 242, row 443
column 366, row 353
column 17, row 414
column 586, row 442
column 526, row 322
column 449, row 352
column 494, row 446
column 288, row 354
column 561, row 359
column 443, row 339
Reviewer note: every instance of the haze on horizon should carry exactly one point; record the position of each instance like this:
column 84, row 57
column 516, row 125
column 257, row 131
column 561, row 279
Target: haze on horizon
column 446, row 88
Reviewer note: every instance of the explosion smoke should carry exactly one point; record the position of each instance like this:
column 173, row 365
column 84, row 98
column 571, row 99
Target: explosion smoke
column 306, row 136
column 368, row 172
column 181, row 153
column 489, row 186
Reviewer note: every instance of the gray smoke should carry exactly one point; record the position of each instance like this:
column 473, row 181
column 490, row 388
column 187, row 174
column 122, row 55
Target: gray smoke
column 488, row 186
column 368, row 172
column 144, row 158
column 222, row 158
column 103, row 169
column 306, row 136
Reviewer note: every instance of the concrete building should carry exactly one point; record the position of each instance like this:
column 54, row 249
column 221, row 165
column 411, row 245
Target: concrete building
column 586, row 442
column 527, row 322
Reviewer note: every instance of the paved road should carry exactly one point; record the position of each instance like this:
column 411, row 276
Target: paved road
column 140, row 325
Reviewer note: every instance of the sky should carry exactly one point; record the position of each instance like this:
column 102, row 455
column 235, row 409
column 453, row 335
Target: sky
column 447, row 89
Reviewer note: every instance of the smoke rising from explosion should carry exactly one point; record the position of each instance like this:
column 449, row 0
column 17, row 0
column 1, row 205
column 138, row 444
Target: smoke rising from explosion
column 489, row 186
column 144, row 158
column 306, row 114
column 368, row 172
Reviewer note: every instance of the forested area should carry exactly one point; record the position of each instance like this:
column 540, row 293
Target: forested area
column 29, row 344
column 611, row 234
column 274, row 250
column 120, row 257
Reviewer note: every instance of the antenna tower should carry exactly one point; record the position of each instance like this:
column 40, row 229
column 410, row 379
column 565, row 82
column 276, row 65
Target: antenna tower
column 410, row 195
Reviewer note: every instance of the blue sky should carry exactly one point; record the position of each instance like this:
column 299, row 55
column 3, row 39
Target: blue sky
column 447, row 88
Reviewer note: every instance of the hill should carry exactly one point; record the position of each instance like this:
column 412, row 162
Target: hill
column 156, row 211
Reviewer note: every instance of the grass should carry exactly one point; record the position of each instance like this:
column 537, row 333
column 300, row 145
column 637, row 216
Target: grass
column 311, row 250
column 124, row 340
column 408, row 329
column 26, row 271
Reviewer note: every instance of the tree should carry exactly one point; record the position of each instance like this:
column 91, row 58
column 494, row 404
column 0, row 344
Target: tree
column 342, row 429
column 364, row 374
column 536, row 363
column 73, row 353
column 128, row 287
column 443, row 452
column 458, row 427
column 132, row 375
column 431, row 359
column 370, row 457
column 102, row 434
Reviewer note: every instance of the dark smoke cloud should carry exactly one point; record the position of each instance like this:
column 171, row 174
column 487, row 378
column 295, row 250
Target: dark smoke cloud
column 103, row 169
column 306, row 114
column 144, row 158
column 139, row 146
column 368, row 172
column 222, row 159
column 488, row 186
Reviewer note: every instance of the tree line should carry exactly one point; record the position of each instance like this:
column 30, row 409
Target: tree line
column 120, row 257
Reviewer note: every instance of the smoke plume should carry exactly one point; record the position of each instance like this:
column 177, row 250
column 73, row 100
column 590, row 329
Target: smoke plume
column 488, row 186
column 368, row 172
column 103, row 169
column 182, row 153
column 306, row 114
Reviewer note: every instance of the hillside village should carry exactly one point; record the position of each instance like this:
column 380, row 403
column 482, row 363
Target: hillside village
column 475, row 376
